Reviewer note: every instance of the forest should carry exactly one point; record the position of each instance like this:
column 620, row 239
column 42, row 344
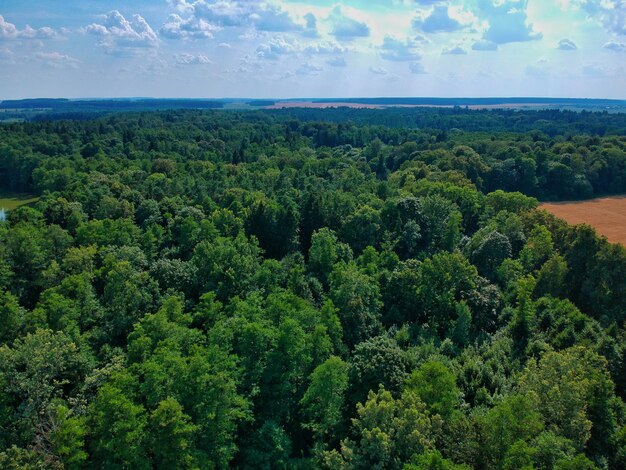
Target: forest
column 296, row 289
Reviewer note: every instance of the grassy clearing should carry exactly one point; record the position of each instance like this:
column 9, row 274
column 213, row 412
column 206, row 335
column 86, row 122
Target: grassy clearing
column 10, row 201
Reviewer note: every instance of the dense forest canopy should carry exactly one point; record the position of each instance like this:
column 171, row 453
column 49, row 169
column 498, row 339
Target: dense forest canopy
column 334, row 289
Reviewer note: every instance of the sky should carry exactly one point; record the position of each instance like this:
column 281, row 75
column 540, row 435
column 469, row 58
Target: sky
column 312, row 48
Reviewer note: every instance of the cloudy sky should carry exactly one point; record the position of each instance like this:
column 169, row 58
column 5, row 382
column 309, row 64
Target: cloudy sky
column 312, row 48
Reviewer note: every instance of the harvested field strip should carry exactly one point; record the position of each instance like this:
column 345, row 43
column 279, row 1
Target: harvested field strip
column 607, row 215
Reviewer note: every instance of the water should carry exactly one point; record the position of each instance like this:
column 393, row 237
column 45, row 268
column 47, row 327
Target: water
column 3, row 215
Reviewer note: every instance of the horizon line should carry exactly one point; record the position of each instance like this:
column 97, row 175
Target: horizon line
column 303, row 98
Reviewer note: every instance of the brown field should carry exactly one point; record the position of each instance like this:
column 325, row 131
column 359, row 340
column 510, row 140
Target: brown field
column 310, row 104
column 607, row 215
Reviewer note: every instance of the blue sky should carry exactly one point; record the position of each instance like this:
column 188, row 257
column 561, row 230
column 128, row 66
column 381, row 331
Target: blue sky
column 306, row 48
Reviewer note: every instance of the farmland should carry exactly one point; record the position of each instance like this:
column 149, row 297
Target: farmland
column 607, row 215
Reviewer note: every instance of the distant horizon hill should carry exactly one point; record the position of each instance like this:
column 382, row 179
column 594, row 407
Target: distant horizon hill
column 30, row 108
column 123, row 103
column 468, row 101
column 381, row 100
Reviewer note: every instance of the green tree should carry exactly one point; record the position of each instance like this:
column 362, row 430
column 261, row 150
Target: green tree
column 118, row 430
column 226, row 266
column 524, row 316
column 489, row 255
column 515, row 418
column 378, row 361
column 325, row 252
column 67, row 437
column 10, row 321
column 323, row 401
column 388, row 432
column 173, row 362
column 446, row 278
column 16, row 458
column 35, row 371
column 129, row 293
column 362, row 229
column 538, row 249
column 171, row 436
column 357, row 298
column 512, row 202
column 575, row 393
column 604, row 289
column 520, row 456
column 436, row 386
column 551, row 278
column 432, row 460
column 269, row 447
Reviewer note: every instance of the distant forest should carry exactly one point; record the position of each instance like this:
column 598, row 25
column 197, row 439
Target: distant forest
column 311, row 288
column 398, row 112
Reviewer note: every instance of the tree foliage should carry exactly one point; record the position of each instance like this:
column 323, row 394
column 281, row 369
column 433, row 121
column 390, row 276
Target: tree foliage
column 295, row 288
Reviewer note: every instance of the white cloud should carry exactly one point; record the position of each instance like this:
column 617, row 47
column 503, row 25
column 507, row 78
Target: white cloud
column 456, row 50
column 483, row 45
column 120, row 36
column 284, row 45
column 610, row 13
column 224, row 13
column 337, row 62
column 399, row 50
column 6, row 55
column 378, row 70
column 239, row 71
column 277, row 47
column 507, row 21
column 438, row 21
column 309, row 69
column 249, row 61
column 417, row 68
column 325, row 47
column 566, row 45
column 196, row 28
column 310, row 29
column 56, row 59
column 270, row 17
column 181, row 6
column 345, row 28
column 9, row 31
column 263, row 16
column 191, row 59
column 615, row 46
